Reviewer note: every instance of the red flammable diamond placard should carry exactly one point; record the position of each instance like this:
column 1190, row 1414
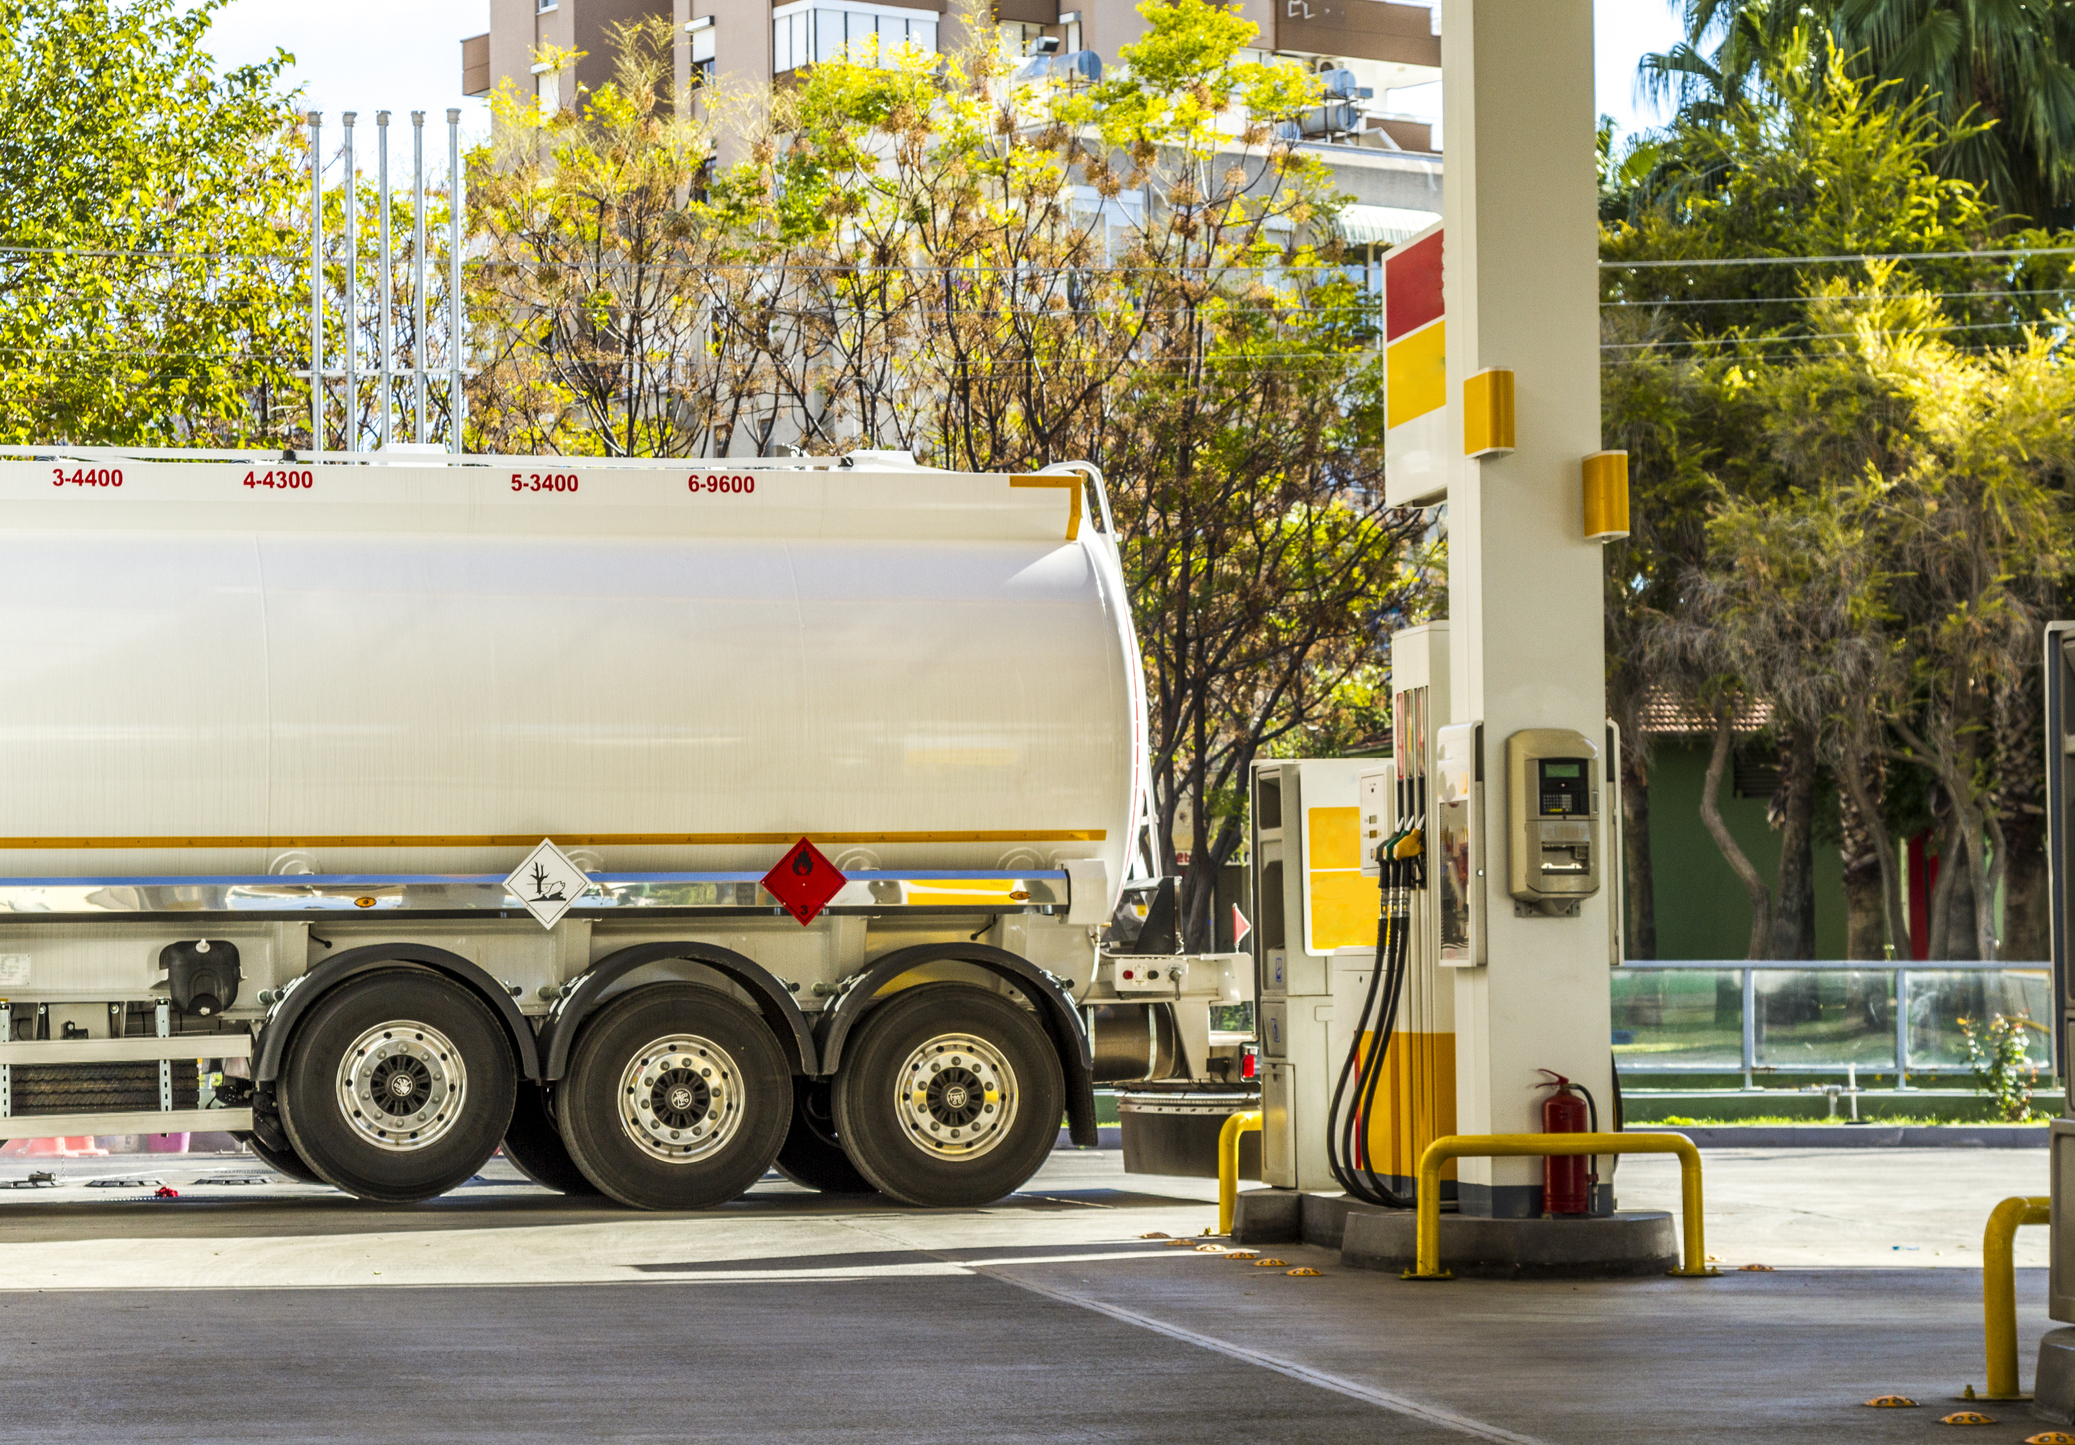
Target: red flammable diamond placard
column 804, row 881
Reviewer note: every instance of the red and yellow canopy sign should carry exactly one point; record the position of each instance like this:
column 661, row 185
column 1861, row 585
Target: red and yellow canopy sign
column 1415, row 370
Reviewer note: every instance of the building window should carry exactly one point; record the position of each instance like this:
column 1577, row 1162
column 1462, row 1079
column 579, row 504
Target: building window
column 1018, row 36
column 702, row 53
column 809, row 34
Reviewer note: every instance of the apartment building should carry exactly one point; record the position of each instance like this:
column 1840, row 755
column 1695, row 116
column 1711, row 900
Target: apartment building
column 1367, row 50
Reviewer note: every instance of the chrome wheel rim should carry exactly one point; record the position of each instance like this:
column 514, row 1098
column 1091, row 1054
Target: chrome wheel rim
column 680, row 1099
column 402, row 1085
column 956, row 1097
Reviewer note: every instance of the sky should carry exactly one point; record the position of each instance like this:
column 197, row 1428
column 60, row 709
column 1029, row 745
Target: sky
column 405, row 55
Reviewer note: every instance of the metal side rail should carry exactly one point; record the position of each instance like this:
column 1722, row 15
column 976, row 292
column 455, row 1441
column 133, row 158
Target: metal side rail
column 1246, row 1122
column 1999, row 1291
column 163, row 1120
column 1510, row 1146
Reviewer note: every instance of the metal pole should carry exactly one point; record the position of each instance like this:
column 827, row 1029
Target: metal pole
column 418, row 290
column 316, row 284
column 1750, row 1025
column 351, row 197
column 1902, row 1028
column 383, row 362
column 456, row 233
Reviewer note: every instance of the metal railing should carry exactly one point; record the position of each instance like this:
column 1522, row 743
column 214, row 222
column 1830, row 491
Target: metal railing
column 1246, row 1122
column 1816, row 1016
column 1999, row 1291
column 1427, row 1225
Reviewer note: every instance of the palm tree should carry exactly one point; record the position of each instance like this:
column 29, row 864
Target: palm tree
column 1999, row 74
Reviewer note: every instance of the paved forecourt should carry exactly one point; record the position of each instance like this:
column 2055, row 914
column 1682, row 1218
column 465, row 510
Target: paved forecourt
column 276, row 1311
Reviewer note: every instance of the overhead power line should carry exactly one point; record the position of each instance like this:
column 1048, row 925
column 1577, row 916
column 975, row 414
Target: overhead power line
column 1818, row 336
column 1843, row 260
column 1625, row 358
column 1865, row 296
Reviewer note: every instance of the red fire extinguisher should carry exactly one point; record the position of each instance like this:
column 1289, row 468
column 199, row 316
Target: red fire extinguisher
column 1566, row 1179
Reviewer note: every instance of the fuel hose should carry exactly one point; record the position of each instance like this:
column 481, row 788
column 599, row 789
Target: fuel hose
column 1347, row 1149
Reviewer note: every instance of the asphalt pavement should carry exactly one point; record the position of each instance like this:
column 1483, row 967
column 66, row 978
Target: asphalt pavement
column 265, row 1311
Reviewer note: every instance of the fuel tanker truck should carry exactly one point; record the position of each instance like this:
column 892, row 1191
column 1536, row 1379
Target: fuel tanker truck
column 280, row 733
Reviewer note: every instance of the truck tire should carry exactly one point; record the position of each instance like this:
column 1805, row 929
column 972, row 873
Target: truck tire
column 949, row 1096
column 811, row 1156
column 535, row 1147
column 397, row 1086
column 677, row 1097
column 278, row 1160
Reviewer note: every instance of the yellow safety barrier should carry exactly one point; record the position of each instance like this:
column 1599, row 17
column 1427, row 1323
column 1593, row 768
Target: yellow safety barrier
column 1999, row 1290
column 1496, row 1146
column 1246, row 1122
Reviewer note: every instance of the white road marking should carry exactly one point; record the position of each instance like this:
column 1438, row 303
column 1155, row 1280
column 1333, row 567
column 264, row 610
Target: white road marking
column 1388, row 1399
column 1339, row 1384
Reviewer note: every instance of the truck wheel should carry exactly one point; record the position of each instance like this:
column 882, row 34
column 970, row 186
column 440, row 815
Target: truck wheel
column 677, row 1098
column 279, row 1160
column 949, row 1096
column 535, row 1146
column 811, row 1157
column 397, row 1085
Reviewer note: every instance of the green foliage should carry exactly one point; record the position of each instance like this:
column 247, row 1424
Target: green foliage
column 588, row 305
column 152, row 227
column 1996, row 76
column 2001, row 1067
column 1852, row 481
column 917, row 253
column 1813, row 164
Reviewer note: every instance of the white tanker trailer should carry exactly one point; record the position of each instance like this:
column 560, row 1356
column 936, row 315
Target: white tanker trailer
column 276, row 731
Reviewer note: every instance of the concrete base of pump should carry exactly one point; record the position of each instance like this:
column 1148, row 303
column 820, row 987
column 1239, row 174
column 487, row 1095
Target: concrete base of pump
column 1607, row 1247
column 2053, row 1390
column 1642, row 1242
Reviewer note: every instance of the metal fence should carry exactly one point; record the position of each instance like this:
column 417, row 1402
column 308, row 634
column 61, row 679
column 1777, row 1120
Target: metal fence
column 1723, row 1016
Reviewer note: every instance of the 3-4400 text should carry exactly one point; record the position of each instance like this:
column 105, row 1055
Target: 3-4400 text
column 86, row 477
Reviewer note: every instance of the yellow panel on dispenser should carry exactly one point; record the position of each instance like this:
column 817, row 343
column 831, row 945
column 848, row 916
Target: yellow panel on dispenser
column 1344, row 904
column 1415, row 1103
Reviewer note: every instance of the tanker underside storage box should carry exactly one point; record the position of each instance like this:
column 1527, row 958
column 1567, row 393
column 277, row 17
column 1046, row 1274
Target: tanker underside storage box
column 1175, row 1131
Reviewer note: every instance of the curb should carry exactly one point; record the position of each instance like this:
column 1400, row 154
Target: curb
column 1787, row 1136
column 1856, row 1136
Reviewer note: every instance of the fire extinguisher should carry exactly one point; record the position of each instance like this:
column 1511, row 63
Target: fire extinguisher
column 1567, row 1179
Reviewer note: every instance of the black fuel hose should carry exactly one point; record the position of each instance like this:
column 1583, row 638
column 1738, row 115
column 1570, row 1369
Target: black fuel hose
column 1374, row 1025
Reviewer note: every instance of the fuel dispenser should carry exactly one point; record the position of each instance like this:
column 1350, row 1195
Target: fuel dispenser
column 1379, row 867
column 1315, row 943
column 1324, row 1006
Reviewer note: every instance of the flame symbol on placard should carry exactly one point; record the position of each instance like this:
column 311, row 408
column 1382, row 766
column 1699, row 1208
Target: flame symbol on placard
column 803, row 863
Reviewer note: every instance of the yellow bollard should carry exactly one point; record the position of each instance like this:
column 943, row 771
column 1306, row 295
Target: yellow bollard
column 1246, row 1122
column 1999, row 1290
column 1496, row 1146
